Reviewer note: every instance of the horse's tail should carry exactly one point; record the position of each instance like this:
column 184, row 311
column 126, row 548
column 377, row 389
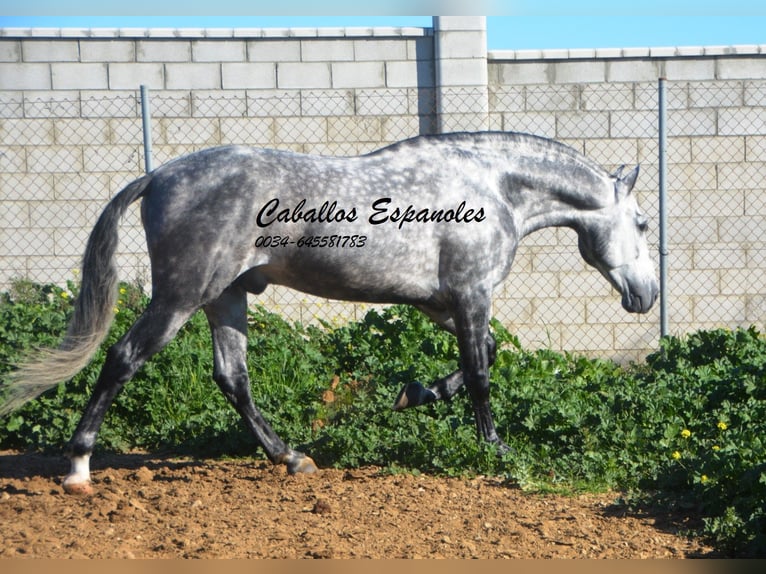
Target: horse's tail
column 92, row 316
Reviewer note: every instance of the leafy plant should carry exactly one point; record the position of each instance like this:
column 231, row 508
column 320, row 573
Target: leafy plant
column 685, row 428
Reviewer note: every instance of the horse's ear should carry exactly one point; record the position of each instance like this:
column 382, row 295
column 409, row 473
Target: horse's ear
column 618, row 172
column 625, row 183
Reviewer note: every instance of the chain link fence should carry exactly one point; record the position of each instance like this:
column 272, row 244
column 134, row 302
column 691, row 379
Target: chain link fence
column 63, row 156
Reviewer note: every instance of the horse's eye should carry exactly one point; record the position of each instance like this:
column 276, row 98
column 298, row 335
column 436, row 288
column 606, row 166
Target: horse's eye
column 642, row 223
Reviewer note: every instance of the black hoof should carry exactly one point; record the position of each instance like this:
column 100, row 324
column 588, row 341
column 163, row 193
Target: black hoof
column 413, row 395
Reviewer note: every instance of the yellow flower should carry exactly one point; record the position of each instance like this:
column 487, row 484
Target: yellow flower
column 116, row 310
column 676, row 455
column 722, row 425
column 703, row 478
column 686, row 433
column 123, row 290
column 64, row 295
column 716, row 447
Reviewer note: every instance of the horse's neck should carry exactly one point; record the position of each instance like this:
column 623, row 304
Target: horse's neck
column 544, row 197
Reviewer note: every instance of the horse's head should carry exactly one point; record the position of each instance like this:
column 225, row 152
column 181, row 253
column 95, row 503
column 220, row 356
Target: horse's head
column 614, row 242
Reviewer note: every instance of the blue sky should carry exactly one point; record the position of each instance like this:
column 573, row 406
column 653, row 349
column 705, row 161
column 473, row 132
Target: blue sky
column 511, row 25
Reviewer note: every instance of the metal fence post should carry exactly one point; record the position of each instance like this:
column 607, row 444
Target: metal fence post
column 663, row 208
column 146, row 122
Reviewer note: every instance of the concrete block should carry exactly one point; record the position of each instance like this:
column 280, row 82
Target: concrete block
column 552, row 98
column 743, row 229
column 218, row 51
column 695, row 229
column 718, row 149
column 609, row 152
column 603, row 310
column 26, row 187
column 720, row 256
column 691, row 176
column 755, row 147
column 216, row 104
column 249, row 75
column 132, row 76
column 633, row 71
column 10, row 50
column 272, row 103
column 382, row 102
column 420, row 48
column 507, row 98
column 64, row 214
column 14, row 214
column 446, row 23
column 582, row 125
column 721, row 310
column 250, row 131
column 730, row 175
column 518, row 73
column 755, row 94
column 355, row 129
column 197, row 131
column 558, row 311
column 193, row 76
column 589, row 283
column 13, row 160
column 461, row 44
column 107, row 50
column 70, row 242
column 109, row 158
column 716, row 94
column 163, row 51
column 694, row 282
column 327, row 103
column 633, row 124
column 538, row 336
column 314, row 75
column 81, row 186
column 735, row 281
column 327, row 50
column 461, row 73
column 601, row 97
column 27, row 242
column 274, row 51
column 11, row 105
column 579, row 72
column 717, row 203
column 54, row 159
column 410, row 74
column 15, row 76
column 31, row 132
column 530, row 285
column 50, row 50
column 741, row 121
column 81, row 131
column 300, row 130
column 358, row 75
column 110, row 104
column 397, row 128
column 690, row 69
column 740, row 68
column 79, row 76
column 383, row 50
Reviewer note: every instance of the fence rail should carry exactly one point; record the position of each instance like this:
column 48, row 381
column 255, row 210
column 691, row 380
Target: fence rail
column 62, row 157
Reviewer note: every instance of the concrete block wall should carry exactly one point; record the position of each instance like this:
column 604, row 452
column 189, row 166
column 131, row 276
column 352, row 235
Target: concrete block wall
column 70, row 137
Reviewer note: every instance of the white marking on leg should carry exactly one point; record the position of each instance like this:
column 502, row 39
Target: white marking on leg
column 78, row 479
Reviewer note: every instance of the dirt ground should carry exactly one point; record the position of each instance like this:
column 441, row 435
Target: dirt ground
column 147, row 506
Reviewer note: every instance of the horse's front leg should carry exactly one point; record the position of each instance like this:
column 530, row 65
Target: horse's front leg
column 415, row 394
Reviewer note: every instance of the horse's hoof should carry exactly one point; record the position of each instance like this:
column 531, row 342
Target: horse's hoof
column 300, row 463
column 413, row 395
column 77, row 488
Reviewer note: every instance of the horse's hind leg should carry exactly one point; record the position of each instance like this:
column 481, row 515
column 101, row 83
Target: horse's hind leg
column 151, row 332
column 415, row 394
column 227, row 316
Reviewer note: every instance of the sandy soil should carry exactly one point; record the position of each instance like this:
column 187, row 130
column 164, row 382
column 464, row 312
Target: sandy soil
column 147, row 506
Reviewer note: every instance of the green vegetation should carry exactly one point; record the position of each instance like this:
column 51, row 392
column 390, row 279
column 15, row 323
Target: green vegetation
column 685, row 429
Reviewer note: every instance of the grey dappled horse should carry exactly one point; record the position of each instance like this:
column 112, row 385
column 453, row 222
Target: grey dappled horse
column 433, row 221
